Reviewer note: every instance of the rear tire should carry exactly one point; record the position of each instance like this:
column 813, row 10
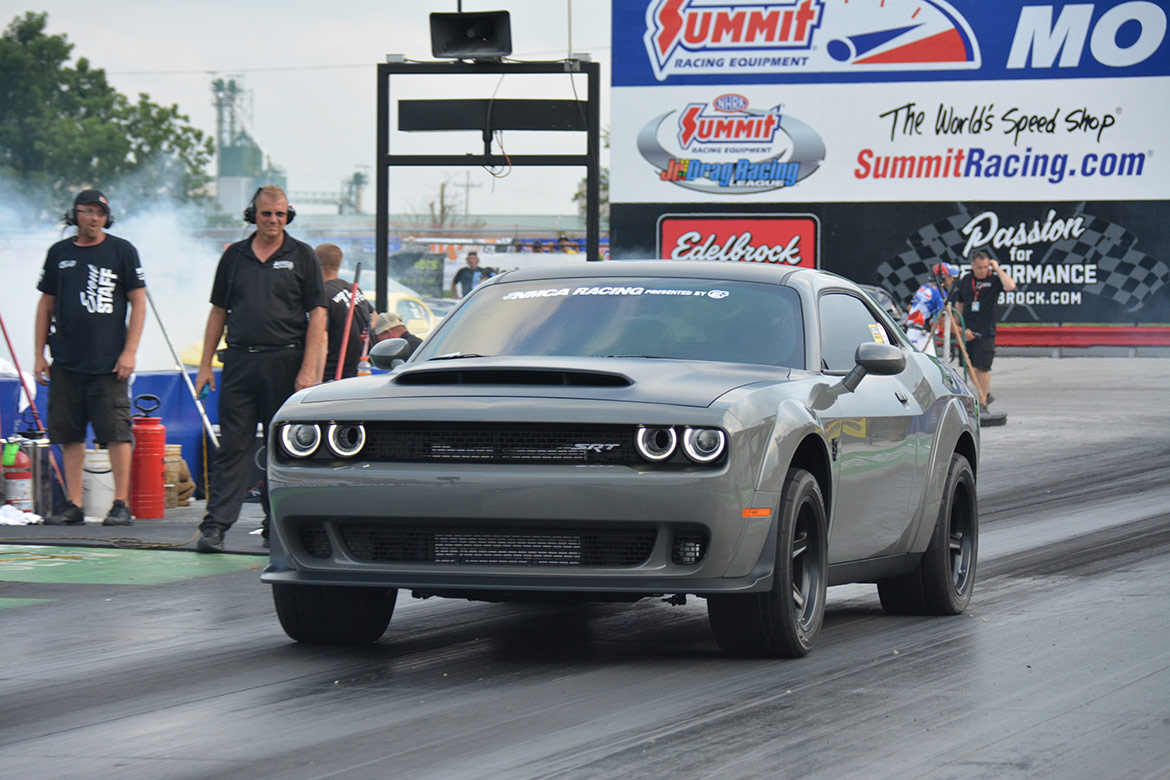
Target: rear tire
column 942, row 582
column 328, row 614
column 785, row 621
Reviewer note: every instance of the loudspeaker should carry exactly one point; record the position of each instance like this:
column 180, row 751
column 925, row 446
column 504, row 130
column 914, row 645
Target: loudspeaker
column 478, row 36
column 250, row 211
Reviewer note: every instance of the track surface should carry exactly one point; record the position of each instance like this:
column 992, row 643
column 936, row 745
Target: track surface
column 1060, row 668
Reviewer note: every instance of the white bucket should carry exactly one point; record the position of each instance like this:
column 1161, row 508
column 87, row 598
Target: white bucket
column 97, row 484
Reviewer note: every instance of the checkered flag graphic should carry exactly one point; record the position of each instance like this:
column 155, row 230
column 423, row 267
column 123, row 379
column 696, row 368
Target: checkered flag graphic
column 1124, row 275
column 939, row 242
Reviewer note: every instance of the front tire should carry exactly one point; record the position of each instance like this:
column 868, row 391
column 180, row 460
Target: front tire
column 785, row 621
column 342, row 614
column 942, row 582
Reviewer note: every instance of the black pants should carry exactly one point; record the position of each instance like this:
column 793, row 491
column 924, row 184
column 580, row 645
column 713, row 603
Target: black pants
column 254, row 385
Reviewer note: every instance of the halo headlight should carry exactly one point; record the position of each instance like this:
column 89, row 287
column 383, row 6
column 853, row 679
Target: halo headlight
column 346, row 439
column 300, row 439
column 703, row 445
column 656, row 443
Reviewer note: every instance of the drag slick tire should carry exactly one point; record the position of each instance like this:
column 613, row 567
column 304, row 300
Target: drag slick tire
column 783, row 622
column 942, row 582
column 334, row 614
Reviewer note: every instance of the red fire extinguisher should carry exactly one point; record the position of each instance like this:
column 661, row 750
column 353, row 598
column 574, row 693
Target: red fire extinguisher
column 147, row 464
column 18, row 479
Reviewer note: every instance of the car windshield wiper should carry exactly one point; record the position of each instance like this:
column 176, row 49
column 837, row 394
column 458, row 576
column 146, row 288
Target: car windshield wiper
column 456, row 355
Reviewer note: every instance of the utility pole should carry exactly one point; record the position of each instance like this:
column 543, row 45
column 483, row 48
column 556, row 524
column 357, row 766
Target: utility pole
column 467, row 187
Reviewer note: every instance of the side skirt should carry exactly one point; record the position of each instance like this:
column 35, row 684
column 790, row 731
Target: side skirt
column 873, row 569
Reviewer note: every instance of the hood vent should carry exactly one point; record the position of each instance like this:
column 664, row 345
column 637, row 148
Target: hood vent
column 504, row 376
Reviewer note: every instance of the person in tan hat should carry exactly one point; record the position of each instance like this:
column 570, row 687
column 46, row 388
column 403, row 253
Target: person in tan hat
column 389, row 325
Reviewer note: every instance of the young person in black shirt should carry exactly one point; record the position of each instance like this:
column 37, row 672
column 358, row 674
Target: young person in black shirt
column 976, row 297
column 268, row 293
column 86, row 284
column 337, row 295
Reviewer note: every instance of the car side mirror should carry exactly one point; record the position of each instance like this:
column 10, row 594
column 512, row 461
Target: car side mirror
column 384, row 353
column 874, row 358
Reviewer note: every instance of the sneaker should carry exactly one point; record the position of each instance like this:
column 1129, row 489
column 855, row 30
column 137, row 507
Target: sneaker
column 119, row 514
column 70, row 515
column 210, row 540
column 990, row 398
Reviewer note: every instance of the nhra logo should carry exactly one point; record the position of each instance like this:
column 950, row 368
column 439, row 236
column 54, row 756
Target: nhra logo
column 709, row 37
column 726, row 147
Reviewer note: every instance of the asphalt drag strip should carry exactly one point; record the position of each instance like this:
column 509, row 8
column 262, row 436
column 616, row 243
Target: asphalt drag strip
column 1059, row 668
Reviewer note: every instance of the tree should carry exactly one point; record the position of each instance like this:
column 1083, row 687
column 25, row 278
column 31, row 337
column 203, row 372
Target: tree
column 65, row 128
column 582, row 199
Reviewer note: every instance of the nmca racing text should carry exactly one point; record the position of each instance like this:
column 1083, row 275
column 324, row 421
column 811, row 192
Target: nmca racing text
column 977, row 163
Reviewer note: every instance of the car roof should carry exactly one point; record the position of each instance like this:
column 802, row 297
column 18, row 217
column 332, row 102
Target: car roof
column 666, row 269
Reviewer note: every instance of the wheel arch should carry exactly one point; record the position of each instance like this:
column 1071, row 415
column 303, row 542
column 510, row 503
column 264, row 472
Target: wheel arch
column 965, row 446
column 812, row 456
column 797, row 441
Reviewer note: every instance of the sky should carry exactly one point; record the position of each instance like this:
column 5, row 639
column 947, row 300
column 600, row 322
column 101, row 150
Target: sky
column 310, row 67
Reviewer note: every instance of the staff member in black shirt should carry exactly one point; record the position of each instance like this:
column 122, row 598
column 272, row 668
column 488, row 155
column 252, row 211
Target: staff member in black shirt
column 268, row 293
column 88, row 284
column 976, row 296
column 337, row 294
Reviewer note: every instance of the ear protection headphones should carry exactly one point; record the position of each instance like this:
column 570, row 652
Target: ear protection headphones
column 71, row 218
column 250, row 211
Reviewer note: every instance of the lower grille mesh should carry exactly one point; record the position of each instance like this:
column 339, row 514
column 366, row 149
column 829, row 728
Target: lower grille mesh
column 518, row 546
column 315, row 541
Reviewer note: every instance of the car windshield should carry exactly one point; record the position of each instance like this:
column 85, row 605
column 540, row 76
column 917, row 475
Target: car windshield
column 688, row 319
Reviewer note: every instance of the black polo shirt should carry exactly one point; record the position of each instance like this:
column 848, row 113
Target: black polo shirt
column 268, row 303
column 967, row 290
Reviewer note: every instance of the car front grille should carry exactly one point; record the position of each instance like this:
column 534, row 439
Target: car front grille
column 502, row 546
column 440, row 442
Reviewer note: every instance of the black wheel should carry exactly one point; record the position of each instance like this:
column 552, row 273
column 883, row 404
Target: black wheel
column 783, row 622
column 942, row 582
column 325, row 614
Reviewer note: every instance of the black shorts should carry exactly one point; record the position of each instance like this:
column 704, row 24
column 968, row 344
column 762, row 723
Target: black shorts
column 982, row 352
column 102, row 400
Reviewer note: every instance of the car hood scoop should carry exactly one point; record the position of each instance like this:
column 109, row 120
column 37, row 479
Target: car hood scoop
column 503, row 375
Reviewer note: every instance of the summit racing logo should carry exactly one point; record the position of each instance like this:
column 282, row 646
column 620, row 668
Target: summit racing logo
column 706, row 37
column 727, row 147
column 677, row 26
column 702, row 128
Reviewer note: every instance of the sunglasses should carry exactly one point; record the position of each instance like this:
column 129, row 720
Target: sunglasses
column 92, row 212
column 279, row 214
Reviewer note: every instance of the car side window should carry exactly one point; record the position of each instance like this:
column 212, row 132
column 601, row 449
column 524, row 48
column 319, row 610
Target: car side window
column 846, row 322
column 409, row 310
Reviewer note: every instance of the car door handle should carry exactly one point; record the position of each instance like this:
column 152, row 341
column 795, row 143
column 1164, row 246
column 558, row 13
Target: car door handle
column 901, row 396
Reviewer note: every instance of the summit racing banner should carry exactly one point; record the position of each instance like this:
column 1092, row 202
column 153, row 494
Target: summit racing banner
column 821, row 41
column 826, row 100
column 788, row 107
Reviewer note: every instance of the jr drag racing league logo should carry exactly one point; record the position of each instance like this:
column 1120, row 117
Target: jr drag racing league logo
column 726, row 147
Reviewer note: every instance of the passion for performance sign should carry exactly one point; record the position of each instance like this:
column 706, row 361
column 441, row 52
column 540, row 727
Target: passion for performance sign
column 1036, row 130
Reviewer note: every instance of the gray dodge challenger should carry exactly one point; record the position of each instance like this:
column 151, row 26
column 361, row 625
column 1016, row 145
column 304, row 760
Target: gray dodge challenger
column 743, row 433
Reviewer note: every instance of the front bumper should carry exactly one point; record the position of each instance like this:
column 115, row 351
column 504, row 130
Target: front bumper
column 476, row 527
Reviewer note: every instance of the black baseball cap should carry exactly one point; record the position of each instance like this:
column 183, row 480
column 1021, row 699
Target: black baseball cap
column 91, row 196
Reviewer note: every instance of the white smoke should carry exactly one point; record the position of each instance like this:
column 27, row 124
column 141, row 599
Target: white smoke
column 179, row 266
